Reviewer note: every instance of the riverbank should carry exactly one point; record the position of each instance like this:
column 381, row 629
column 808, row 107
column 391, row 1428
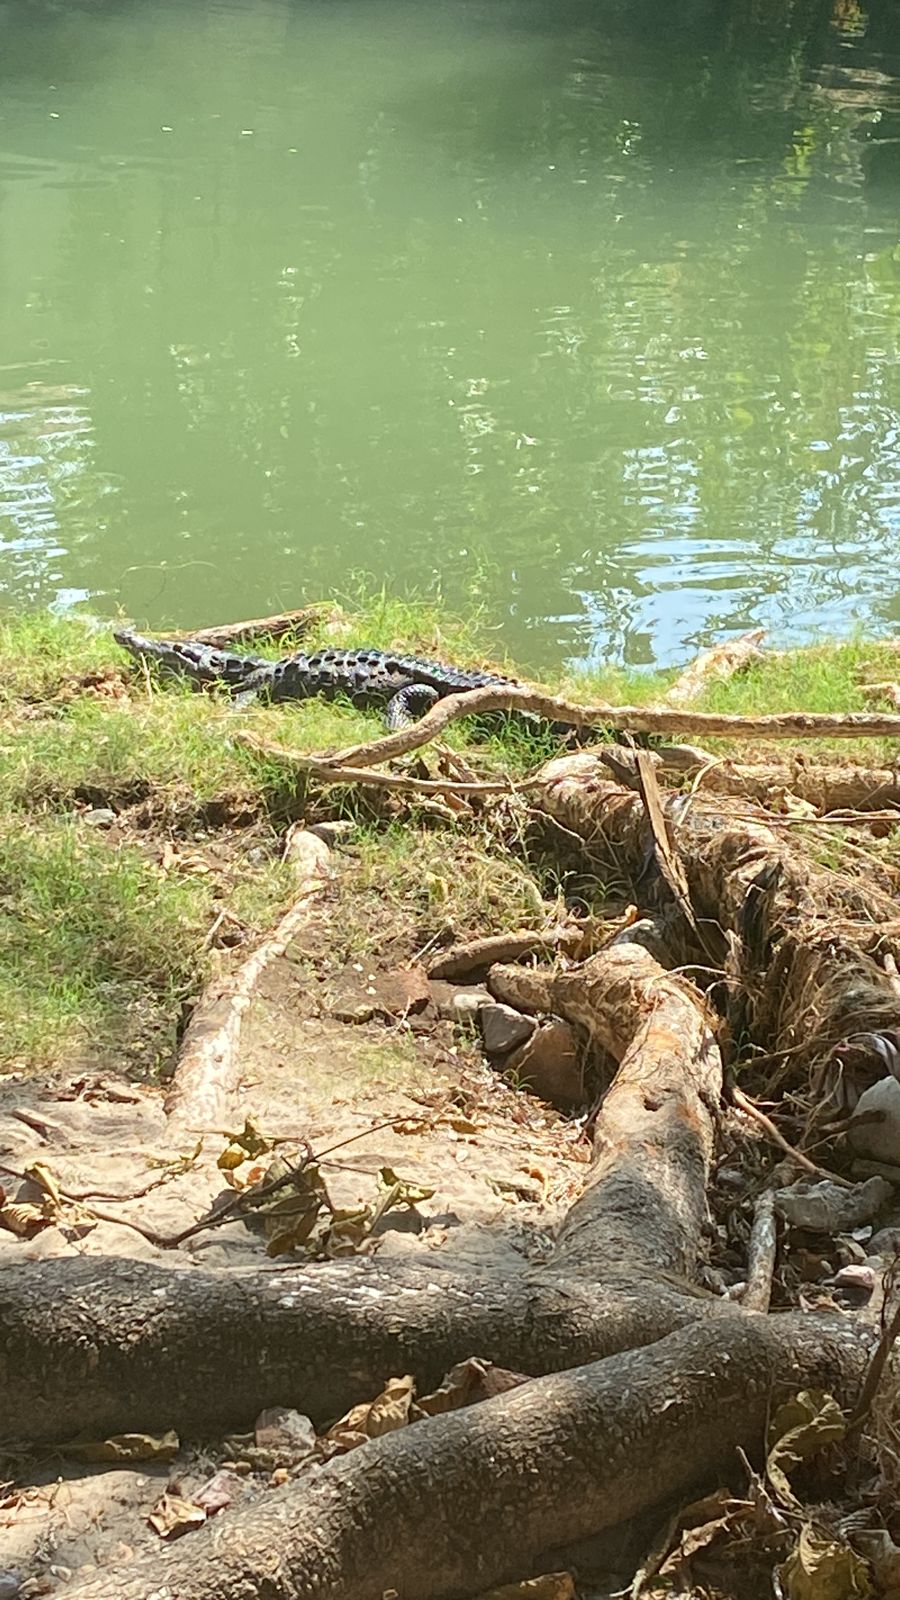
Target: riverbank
column 223, row 960
column 135, row 824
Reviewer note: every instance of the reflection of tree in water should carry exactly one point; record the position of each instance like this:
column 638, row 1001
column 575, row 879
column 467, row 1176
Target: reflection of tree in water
column 578, row 311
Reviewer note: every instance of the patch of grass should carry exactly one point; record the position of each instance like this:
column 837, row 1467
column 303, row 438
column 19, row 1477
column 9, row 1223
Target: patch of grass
column 410, row 886
column 98, row 949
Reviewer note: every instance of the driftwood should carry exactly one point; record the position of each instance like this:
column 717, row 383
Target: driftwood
column 713, row 666
column 296, row 622
column 208, row 1067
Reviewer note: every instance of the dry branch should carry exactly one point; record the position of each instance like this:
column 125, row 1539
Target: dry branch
column 208, row 1067
column 714, row 666
column 462, row 959
column 324, row 769
column 761, row 1254
column 634, row 719
column 297, row 622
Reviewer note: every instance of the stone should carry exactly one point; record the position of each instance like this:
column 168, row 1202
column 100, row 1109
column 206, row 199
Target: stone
column 456, row 1004
column 99, row 817
column 503, row 1029
column 827, row 1207
column 877, row 1140
column 402, row 992
column 550, row 1066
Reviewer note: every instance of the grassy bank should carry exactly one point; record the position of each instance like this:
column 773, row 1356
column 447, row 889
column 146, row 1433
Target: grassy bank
column 131, row 820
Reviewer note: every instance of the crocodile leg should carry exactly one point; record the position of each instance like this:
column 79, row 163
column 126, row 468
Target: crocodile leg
column 408, row 705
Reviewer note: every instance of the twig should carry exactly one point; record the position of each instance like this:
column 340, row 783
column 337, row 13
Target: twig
column 744, row 1103
column 461, row 959
column 327, row 770
column 889, row 1332
column 761, row 1254
column 636, row 719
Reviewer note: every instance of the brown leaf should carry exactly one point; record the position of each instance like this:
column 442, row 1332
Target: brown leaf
column 408, row 1194
column 23, row 1219
column 40, row 1174
column 549, row 1586
column 219, row 1492
column 127, row 1447
column 799, row 1430
column 466, row 1384
column 389, row 1411
column 821, row 1567
column 171, row 1516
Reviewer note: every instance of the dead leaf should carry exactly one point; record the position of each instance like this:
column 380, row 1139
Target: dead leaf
column 407, row 1194
column 798, row 1431
column 171, row 1516
column 466, row 1384
column 824, row 1568
column 292, row 1212
column 24, row 1219
column 385, row 1414
column 549, row 1586
column 40, row 1174
column 251, row 1141
column 127, row 1447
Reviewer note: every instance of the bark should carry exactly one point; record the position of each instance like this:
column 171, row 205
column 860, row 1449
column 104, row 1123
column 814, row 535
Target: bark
column 462, row 1502
column 209, row 1066
column 645, row 1206
column 714, row 666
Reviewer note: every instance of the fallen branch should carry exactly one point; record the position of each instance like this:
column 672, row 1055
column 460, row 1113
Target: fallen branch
column 634, row 719
column 723, row 661
column 208, row 1067
column 324, row 770
column 462, row 959
column 297, row 622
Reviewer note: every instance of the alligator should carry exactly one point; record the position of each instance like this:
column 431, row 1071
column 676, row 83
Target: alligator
column 405, row 686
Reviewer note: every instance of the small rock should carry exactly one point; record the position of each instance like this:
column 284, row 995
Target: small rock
column 459, row 1005
column 826, row 1207
column 885, row 1243
column 99, row 817
column 859, row 1278
column 10, row 1584
column 877, row 1140
column 402, row 992
column 503, row 1029
column 288, row 1433
column 549, row 1065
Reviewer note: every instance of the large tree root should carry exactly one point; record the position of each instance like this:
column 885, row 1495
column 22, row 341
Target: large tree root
column 684, row 1380
column 455, row 1504
column 801, row 945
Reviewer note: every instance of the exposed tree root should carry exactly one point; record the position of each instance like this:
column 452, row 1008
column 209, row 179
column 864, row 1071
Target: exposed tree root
column 827, row 788
column 634, row 719
column 208, row 1067
column 458, row 1503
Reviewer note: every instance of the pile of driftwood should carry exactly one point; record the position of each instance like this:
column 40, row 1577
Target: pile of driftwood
column 742, row 957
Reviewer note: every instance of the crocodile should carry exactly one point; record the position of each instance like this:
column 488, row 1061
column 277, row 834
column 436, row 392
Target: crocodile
column 404, row 685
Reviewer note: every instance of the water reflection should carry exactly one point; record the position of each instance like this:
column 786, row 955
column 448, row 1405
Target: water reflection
column 588, row 310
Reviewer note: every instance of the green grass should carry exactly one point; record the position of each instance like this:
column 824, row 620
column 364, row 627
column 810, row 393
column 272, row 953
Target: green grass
column 99, row 948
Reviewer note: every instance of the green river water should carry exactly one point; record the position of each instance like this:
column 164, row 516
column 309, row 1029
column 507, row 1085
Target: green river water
column 585, row 311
